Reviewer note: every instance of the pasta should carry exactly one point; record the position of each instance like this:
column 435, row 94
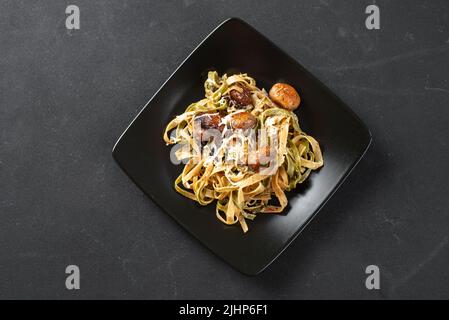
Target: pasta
column 241, row 149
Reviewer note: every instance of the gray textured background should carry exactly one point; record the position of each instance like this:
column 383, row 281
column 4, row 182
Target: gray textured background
column 65, row 97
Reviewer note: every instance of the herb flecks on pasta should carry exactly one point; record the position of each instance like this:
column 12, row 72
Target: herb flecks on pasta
column 242, row 147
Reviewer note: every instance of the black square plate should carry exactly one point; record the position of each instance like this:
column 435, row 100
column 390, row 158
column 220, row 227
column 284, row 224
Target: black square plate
column 234, row 46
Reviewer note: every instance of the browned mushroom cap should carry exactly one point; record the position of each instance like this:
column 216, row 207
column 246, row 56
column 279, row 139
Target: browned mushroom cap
column 285, row 96
column 243, row 120
column 205, row 126
column 209, row 121
column 241, row 98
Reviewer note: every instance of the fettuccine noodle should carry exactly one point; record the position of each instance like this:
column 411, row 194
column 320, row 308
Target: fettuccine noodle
column 221, row 170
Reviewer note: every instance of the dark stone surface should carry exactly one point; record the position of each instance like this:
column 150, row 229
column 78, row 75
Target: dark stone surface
column 66, row 96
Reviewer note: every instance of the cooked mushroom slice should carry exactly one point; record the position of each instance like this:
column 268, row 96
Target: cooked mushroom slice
column 243, row 120
column 209, row 121
column 241, row 98
column 285, row 96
